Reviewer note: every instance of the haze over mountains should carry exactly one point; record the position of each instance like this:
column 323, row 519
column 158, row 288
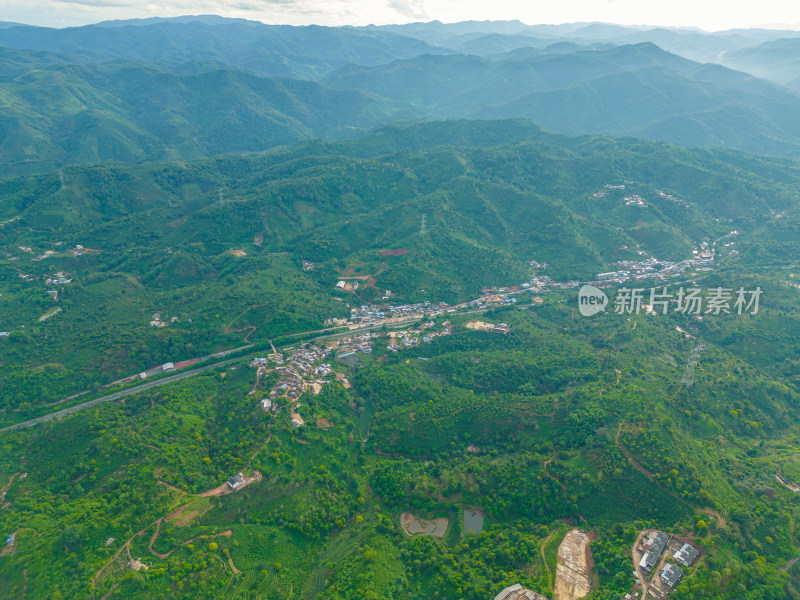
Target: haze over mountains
column 776, row 60
column 189, row 87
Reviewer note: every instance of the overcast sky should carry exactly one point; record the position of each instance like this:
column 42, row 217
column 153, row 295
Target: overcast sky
column 706, row 14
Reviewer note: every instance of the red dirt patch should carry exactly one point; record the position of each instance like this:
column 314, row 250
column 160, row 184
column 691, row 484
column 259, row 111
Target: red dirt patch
column 590, row 561
column 186, row 363
column 395, row 252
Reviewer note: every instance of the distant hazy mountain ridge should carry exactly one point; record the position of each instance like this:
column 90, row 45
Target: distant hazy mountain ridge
column 161, row 89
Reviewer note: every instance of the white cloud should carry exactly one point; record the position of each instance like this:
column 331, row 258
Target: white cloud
column 101, row 3
column 411, row 9
column 708, row 14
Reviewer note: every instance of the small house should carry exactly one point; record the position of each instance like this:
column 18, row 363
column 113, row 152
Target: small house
column 671, row 575
column 236, row 481
column 686, row 555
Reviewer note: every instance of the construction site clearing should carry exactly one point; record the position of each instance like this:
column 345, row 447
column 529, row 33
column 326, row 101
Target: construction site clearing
column 573, row 573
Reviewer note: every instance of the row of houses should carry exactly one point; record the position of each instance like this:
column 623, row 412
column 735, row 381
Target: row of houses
column 373, row 314
column 358, row 343
column 413, row 337
column 653, row 549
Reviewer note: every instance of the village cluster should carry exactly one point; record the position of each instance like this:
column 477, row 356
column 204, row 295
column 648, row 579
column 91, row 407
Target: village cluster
column 307, row 367
column 670, row 197
column 372, row 314
column 77, row 250
column 159, row 321
column 649, row 268
column 634, row 199
column 54, row 279
column 59, row 278
column 658, row 552
column 299, row 369
column 411, row 337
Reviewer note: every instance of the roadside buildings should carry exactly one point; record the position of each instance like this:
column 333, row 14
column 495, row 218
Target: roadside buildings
column 653, row 549
column 235, row 481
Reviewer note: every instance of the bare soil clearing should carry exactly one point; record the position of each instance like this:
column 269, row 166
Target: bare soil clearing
column 573, row 575
column 414, row 525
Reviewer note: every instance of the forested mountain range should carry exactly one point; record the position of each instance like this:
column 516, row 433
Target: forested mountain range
column 139, row 91
column 208, row 228
column 776, row 60
column 57, row 113
column 558, row 421
column 276, row 50
column 630, row 90
column 482, row 37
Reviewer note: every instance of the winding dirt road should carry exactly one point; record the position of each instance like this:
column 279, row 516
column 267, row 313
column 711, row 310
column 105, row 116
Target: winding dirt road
column 706, row 511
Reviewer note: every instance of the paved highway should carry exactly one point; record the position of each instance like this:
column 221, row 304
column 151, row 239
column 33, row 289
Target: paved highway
column 190, row 373
column 117, row 395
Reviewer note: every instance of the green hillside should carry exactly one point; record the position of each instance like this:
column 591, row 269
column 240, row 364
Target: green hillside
column 57, row 115
column 631, row 90
column 550, row 404
column 161, row 235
